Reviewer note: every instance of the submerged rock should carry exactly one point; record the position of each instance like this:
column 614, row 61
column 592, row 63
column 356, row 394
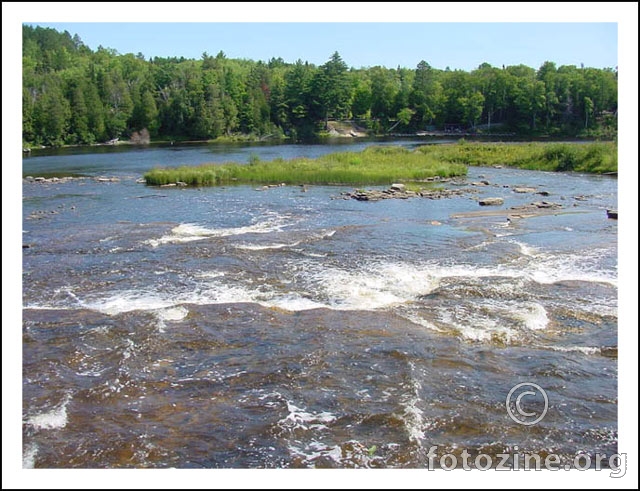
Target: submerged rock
column 546, row 204
column 444, row 193
column 399, row 191
column 491, row 202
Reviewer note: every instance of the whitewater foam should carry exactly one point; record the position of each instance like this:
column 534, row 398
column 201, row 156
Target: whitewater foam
column 129, row 301
column 255, row 247
column 292, row 303
column 189, row 232
column 316, row 450
column 412, row 415
column 416, row 319
column 585, row 350
column 170, row 314
column 173, row 314
column 533, row 316
column 299, row 418
column 53, row 419
column 492, row 320
column 548, row 268
column 371, row 287
column 29, row 456
column 368, row 285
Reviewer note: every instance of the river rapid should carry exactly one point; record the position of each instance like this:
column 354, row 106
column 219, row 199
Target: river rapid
column 289, row 327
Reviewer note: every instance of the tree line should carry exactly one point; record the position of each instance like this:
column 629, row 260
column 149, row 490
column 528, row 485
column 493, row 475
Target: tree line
column 74, row 95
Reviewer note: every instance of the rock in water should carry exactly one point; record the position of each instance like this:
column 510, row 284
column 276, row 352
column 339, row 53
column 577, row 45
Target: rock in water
column 491, row 202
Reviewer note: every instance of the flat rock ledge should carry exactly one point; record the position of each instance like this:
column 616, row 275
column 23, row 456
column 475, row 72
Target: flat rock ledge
column 536, row 208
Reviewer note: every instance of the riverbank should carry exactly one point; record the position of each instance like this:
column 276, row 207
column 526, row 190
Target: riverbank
column 240, row 138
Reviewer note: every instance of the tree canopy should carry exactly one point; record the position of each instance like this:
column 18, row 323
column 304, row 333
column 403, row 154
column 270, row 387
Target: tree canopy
column 73, row 95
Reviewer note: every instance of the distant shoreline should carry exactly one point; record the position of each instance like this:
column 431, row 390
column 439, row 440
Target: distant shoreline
column 248, row 139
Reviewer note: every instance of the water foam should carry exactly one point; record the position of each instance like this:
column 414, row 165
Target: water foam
column 371, row 287
column 315, row 450
column 129, row 301
column 189, row 232
column 416, row 319
column 53, row 419
column 171, row 314
column 476, row 327
column 381, row 285
column 255, row 247
column 292, row 303
column 585, row 350
column 29, row 456
column 548, row 268
column 491, row 320
column 299, row 418
column 412, row 415
column 167, row 304
column 533, row 316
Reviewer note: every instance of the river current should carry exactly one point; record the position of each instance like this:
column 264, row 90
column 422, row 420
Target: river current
column 235, row 327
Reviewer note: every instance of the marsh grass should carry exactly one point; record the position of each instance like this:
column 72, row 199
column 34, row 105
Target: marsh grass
column 374, row 165
column 383, row 165
column 595, row 157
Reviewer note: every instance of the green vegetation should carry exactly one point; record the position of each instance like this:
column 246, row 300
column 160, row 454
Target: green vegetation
column 374, row 165
column 73, row 95
column 383, row 165
column 596, row 157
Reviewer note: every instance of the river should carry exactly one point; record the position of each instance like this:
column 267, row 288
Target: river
column 229, row 327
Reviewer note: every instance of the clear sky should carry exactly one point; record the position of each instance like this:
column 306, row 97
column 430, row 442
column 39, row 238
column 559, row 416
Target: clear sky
column 457, row 35
column 457, row 45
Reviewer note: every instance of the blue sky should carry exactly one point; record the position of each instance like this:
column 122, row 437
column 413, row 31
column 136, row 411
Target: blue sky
column 458, row 35
column 457, row 45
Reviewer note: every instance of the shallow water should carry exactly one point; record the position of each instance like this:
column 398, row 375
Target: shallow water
column 230, row 327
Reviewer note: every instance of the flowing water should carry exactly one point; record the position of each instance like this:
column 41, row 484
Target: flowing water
column 227, row 327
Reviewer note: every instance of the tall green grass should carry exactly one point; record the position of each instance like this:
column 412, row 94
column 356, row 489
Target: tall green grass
column 386, row 164
column 596, row 157
column 374, row 165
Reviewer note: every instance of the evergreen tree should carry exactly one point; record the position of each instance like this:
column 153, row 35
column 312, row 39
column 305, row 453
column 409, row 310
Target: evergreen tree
column 72, row 94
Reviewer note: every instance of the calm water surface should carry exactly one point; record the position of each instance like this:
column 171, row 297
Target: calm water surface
column 230, row 327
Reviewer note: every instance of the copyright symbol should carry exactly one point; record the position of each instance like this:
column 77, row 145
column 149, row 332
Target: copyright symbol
column 527, row 403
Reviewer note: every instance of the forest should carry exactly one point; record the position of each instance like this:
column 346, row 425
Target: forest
column 72, row 95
